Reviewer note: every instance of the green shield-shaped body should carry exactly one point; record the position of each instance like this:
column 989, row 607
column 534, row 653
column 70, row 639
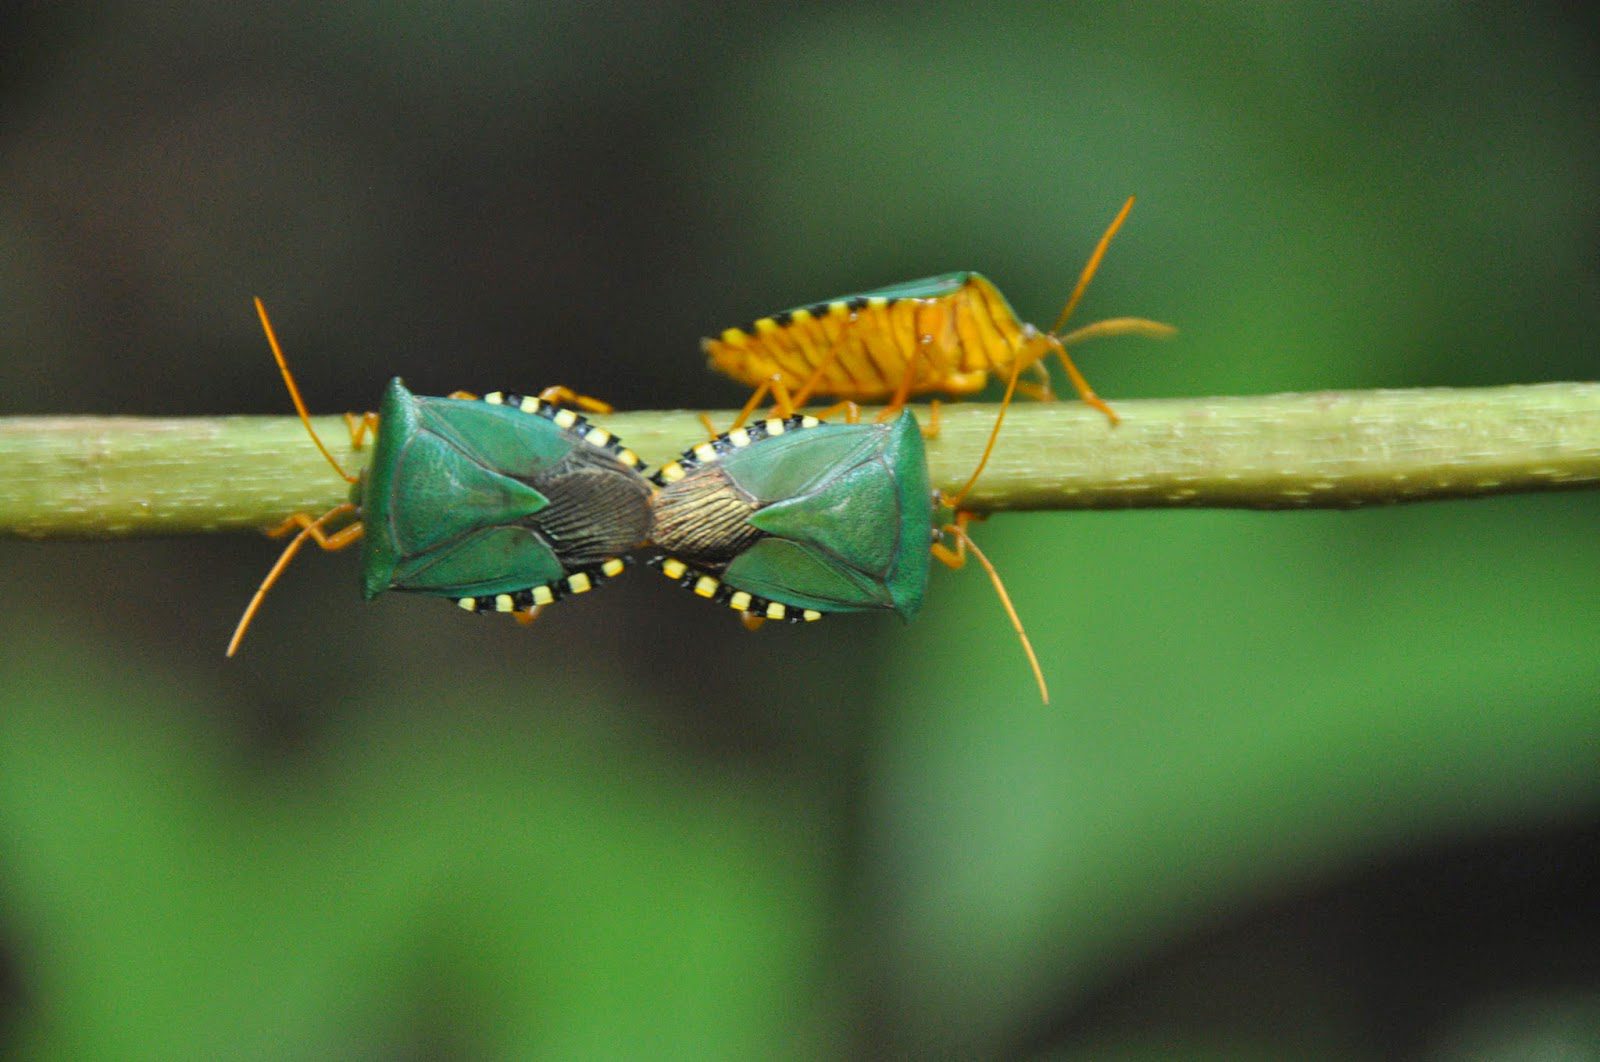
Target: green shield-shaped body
column 816, row 517
column 489, row 500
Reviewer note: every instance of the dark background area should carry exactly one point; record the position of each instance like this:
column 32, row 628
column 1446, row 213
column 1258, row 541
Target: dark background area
column 1313, row 784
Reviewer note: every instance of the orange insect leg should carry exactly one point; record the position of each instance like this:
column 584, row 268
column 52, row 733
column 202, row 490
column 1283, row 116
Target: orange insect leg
column 850, row 409
column 360, row 426
column 783, row 405
column 1039, row 390
column 1079, row 384
column 566, row 396
column 310, row 530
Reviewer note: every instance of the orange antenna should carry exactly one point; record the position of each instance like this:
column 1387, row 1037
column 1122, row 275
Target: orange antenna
column 994, row 434
column 1091, row 266
column 309, row 528
column 1115, row 326
column 959, row 530
column 1112, row 326
column 294, row 392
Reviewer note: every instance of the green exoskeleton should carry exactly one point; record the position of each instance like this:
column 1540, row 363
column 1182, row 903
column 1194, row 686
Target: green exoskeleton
column 505, row 503
column 508, row 503
column 791, row 518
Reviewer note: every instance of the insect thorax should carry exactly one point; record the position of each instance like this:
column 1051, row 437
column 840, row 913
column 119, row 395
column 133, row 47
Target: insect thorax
column 704, row 518
column 599, row 507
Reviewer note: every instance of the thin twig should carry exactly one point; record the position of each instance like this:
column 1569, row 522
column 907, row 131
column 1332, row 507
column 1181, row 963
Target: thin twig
column 78, row 477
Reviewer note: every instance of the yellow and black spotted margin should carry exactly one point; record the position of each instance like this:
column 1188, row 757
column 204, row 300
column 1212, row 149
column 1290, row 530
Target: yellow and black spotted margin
column 726, row 443
column 569, row 421
column 714, row 590
column 579, row 582
column 692, row 464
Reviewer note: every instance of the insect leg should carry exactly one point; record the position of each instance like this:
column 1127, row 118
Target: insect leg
column 902, row 391
column 566, row 396
column 1039, row 389
column 994, row 434
column 310, row 530
column 766, row 388
column 1079, row 384
column 313, row 528
column 751, row 621
column 851, row 410
column 829, row 358
column 783, row 403
column 360, row 427
column 527, row 615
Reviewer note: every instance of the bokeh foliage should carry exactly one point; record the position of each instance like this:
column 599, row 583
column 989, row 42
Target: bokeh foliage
column 635, row 829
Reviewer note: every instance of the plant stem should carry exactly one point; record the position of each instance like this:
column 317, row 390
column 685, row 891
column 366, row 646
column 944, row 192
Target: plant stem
column 85, row 477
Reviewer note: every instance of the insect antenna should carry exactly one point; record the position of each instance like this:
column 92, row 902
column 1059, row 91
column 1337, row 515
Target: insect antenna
column 994, row 435
column 1091, row 267
column 294, row 392
column 958, row 530
column 1114, row 326
column 310, row 528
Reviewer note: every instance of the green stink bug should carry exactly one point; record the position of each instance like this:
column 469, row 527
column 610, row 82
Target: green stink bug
column 790, row 518
column 505, row 503
column 800, row 517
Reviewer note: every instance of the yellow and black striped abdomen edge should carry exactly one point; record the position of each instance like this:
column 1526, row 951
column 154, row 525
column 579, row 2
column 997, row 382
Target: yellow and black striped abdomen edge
column 869, row 343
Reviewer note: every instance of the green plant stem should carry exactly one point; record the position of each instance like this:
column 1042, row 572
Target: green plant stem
column 88, row 477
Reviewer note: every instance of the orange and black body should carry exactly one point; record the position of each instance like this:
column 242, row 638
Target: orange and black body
column 949, row 332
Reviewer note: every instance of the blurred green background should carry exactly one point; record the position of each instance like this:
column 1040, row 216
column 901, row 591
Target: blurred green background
column 1314, row 784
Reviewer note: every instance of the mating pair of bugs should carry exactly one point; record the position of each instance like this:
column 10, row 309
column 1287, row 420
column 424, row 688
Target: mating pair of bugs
column 507, row 503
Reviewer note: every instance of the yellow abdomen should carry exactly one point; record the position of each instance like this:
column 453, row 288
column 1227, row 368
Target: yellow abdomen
column 949, row 332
